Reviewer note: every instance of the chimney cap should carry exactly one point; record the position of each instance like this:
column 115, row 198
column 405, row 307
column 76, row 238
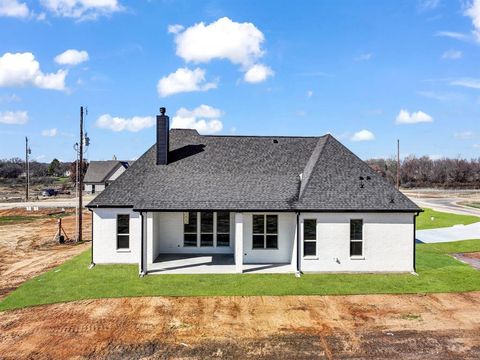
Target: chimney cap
column 162, row 110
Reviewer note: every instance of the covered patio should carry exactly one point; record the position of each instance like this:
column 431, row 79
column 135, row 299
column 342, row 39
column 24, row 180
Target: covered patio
column 209, row 264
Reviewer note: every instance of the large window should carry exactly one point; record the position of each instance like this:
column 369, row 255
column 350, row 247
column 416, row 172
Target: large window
column 356, row 237
column 206, row 229
column 223, row 228
column 310, row 237
column 123, row 231
column 190, row 229
column 265, row 232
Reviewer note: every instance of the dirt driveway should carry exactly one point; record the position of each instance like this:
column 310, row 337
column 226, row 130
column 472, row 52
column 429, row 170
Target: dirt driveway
column 27, row 245
column 436, row 326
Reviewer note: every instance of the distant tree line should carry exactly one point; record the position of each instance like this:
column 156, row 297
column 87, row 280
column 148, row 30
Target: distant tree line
column 15, row 168
column 426, row 172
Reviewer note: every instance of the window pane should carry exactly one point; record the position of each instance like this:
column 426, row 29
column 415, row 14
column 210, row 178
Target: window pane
column 356, row 229
column 272, row 241
column 190, row 240
column 310, row 248
column 223, row 222
column 123, row 222
column 123, row 242
column 258, row 224
column 206, row 221
column 191, row 227
column 272, row 224
column 356, row 248
column 310, row 229
column 223, row 239
column 258, row 241
column 206, row 240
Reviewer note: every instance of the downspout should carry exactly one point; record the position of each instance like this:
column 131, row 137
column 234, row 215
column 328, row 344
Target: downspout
column 298, row 272
column 415, row 241
column 92, row 264
column 142, row 268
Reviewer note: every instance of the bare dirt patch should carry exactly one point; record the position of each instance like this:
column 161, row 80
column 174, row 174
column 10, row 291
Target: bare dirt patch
column 28, row 247
column 350, row 327
column 470, row 258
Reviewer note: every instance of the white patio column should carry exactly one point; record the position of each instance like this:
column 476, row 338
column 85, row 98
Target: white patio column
column 149, row 239
column 239, row 242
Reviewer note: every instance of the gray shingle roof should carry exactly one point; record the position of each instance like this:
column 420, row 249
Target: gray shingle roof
column 253, row 173
column 99, row 171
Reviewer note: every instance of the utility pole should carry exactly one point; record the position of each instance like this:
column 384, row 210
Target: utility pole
column 398, row 163
column 80, row 178
column 27, row 168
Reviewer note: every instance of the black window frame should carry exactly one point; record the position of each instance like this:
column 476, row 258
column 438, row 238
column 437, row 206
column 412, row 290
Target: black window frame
column 223, row 233
column 356, row 237
column 308, row 240
column 267, row 236
column 123, row 234
column 189, row 233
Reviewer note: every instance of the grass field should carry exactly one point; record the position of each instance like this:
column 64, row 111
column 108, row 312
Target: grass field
column 442, row 219
column 438, row 272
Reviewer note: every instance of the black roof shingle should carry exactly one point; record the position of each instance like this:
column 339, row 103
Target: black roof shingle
column 253, row 173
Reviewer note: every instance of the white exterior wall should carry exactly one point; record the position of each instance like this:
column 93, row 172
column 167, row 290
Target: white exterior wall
column 168, row 236
column 286, row 235
column 105, row 237
column 387, row 243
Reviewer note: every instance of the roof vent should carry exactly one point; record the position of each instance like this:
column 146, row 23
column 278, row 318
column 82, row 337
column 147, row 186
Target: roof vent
column 369, row 178
column 275, row 141
column 360, row 177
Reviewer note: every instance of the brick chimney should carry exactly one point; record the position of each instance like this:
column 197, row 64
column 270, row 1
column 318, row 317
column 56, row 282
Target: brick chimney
column 163, row 125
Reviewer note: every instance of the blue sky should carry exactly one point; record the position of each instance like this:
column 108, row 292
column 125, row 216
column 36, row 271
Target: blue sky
column 367, row 72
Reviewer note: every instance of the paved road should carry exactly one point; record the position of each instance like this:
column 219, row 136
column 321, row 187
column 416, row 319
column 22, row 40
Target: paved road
column 446, row 205
column 59, row 203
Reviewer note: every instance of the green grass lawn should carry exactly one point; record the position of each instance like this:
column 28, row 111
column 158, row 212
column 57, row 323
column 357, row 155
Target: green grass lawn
column 475, row 205
column 442, row 219
column 438, row 272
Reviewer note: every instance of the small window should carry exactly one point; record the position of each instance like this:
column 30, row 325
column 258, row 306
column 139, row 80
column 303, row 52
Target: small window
column 223, row 228
column 265, row 232
column 206, row 228
column 93, row 189
column 310, row 237
column 356, row 237
column 190, row 229
column 123, row 231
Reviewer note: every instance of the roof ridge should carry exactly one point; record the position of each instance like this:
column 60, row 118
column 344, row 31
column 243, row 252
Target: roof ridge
column 312, row 163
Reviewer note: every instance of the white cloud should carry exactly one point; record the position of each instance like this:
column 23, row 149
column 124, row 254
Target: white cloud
column 364, row 57
column 476, row 146
column 71, row 57
column 82, row 9
column 427, row 5
column 440, row 96
column 223, row 39
column 452, row 55
column 22, row 69
column 258, row 73
column 132, row 124
column 405, row 117
column 435, row 157
column 175, row 29
column 309, row 94
column 14, row 8
column 184, row 80
column 473, row 12
column 363, row 135
column 50, row 132
column 205, row 119
column 453, row 35
column 467, row 82
column 464, row 135
column 9, row 98
column 13, row 117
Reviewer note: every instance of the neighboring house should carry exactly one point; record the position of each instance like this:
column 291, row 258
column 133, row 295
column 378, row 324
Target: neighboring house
column 100, row 174
column 196, row 203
